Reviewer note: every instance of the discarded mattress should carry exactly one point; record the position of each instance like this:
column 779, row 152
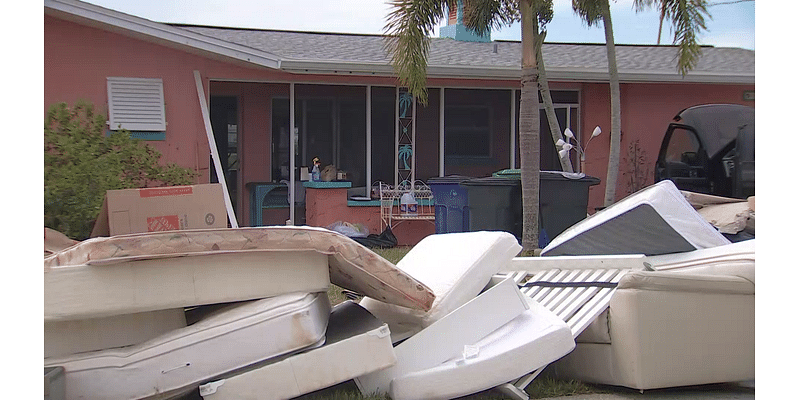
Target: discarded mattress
column 135, row 273
column 227, row 340
column 455, row 266
column 356, row 343
column 534, row 339
column 62, row 338
column 445, row 338
column 737, row 259
column 655, row 220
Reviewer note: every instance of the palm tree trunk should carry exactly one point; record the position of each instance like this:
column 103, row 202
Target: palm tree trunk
column 550, row 111
column 661, row 20
column 616, row 133
column 529, row 131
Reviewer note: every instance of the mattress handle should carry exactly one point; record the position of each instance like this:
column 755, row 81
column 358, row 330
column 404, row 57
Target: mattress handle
column 174, row 368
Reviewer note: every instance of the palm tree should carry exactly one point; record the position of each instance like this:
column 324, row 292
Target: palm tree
column 550, row 112
column 592, row 12
column 687, row 19
column 409, row 24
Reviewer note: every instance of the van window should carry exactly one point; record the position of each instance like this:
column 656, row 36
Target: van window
column 683, row 147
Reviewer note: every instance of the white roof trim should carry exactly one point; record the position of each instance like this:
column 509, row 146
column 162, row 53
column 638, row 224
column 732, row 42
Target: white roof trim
column 163, row 32
column 506, row 73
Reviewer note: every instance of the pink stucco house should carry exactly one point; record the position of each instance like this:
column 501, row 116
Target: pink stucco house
column 345, row 101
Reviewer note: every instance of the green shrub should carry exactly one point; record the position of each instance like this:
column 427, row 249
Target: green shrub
column 81, row 162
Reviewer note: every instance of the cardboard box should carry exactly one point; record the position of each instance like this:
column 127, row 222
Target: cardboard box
column 161, row 209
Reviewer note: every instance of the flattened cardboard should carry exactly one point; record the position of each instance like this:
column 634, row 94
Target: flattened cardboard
column 161, row 209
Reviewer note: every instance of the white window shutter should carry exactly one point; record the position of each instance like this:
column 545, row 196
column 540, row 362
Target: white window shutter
column 136, row 104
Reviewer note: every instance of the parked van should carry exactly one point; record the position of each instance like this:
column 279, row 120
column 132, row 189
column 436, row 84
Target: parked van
column 711, row 149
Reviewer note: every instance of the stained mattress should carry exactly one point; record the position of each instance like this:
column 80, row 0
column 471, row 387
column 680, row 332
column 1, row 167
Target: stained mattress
column 655, row 220
column 126, row 274
column 227, row 340
column 356, row 343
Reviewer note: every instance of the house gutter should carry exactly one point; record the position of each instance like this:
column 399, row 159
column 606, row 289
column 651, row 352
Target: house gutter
column 321, row 67
column 115, row 21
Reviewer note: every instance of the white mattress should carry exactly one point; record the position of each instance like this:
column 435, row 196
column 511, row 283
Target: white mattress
column 136, row 273
column 445, row 339
column 180, row 360
column 356, row 343
column 530, row 341
column 455, row 266
column 655, row 220
column 62, row 338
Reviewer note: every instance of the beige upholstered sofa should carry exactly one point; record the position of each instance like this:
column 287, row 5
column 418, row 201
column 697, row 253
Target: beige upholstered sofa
column 685, row 326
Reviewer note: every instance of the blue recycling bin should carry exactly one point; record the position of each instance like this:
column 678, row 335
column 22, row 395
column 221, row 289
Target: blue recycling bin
column 450, row 203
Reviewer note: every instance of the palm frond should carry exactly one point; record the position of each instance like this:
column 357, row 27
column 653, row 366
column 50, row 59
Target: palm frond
column 589, row 11
column 480, row 16
column 688, row 20
column 408, row 26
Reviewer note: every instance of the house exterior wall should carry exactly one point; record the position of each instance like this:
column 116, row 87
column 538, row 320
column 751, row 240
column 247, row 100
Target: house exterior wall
column 78, row 59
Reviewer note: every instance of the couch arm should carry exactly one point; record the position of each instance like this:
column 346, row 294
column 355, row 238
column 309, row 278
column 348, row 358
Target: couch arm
column 686, row 282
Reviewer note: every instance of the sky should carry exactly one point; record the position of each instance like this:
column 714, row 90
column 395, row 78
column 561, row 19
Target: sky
column 732, row 22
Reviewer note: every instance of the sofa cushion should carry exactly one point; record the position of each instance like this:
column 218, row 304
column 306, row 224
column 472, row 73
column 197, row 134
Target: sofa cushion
column 685, row 282
column 735, row 259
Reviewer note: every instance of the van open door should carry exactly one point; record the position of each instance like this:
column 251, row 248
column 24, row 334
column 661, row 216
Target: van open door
column 710, row 149
column 683, row 160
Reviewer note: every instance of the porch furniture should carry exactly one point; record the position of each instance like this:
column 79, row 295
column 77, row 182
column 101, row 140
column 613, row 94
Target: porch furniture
column 266, row 195
column 391, row 211
column 670, row 328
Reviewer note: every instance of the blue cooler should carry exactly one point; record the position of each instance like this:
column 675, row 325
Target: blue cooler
column 450, row 203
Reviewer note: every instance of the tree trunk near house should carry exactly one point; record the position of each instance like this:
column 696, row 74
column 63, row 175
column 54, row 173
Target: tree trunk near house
column 529, row 131
column 549, row 109
column 616, row 133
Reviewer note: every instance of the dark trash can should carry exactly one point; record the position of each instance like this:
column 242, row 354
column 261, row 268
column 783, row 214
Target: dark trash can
column 563, row 200
column 450, row 203
column 494, row 204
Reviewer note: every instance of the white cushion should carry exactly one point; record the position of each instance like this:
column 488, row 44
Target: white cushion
column 455, row 266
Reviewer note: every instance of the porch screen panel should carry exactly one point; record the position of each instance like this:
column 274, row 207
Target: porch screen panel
column 383, row 120
column 353, row 141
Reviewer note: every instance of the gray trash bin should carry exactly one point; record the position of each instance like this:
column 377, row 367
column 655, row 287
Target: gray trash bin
column 495, row 204
column 563, row 200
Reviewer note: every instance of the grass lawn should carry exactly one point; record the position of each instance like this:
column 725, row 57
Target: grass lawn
column 541, row 387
